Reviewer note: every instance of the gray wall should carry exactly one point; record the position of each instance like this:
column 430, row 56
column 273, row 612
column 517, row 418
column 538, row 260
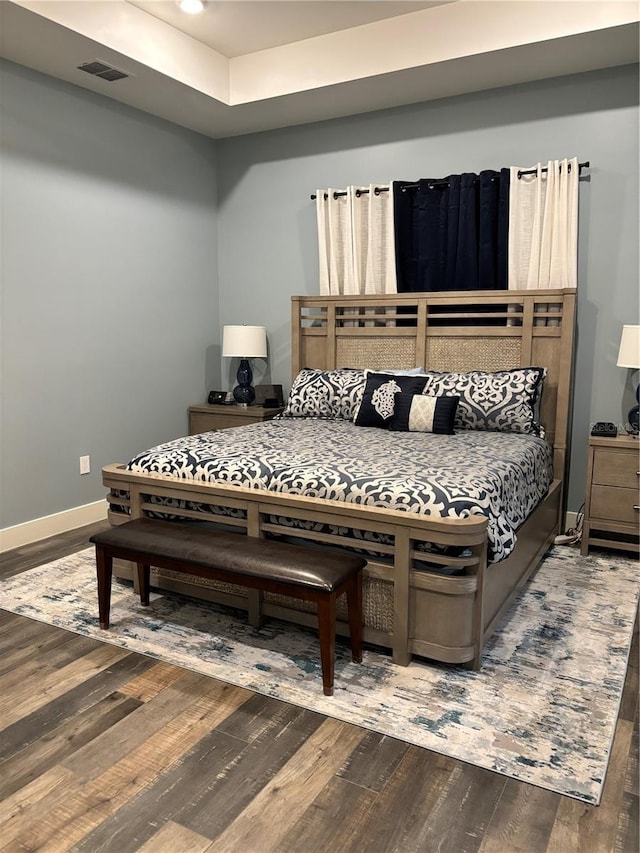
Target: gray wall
column 122, row 259
column 109, row 291
column 267, row 229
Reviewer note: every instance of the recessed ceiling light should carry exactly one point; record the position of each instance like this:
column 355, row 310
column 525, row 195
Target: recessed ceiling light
column 191, row 7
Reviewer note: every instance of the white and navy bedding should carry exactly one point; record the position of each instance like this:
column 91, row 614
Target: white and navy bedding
column 500, row 475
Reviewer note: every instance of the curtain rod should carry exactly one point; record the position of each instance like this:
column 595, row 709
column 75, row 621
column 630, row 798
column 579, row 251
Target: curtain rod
column 359, row 192
column 581, row 166
column 378, row 190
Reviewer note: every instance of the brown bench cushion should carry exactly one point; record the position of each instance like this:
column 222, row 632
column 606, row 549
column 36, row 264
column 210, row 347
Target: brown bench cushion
column 311, row 568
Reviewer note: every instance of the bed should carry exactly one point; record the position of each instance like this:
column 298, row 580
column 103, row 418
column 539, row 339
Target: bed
column 447, row 554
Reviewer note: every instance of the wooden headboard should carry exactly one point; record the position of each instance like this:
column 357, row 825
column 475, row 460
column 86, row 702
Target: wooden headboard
column 461, row 331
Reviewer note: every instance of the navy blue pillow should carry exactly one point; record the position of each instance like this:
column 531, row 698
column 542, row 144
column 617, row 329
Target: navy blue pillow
column 386, row 397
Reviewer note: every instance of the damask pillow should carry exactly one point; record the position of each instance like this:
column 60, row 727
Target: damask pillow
column 503, row 401
column 386, row 397
column 427, row 414
column 325, row 394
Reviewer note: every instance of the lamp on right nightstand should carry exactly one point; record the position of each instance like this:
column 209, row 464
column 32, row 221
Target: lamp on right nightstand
column 629, row 356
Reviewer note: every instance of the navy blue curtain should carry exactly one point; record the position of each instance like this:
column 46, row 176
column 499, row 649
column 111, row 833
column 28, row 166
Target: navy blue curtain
column 452, row 233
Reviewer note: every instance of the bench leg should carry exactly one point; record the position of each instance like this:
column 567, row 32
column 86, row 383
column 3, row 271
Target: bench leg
column 327, row 629
column 104, row 569
column 144, row 576
column 254, row 607
column 354, row 609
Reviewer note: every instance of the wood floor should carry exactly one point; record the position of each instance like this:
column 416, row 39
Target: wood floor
column 106, row 750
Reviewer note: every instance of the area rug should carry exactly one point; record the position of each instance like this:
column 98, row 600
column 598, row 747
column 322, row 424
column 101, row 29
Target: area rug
column 542, row 709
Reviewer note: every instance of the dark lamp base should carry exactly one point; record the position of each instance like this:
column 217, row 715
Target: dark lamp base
column 244, row 392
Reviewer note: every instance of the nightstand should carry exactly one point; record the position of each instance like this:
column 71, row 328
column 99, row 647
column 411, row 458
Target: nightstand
column 205, row 418
column 612, row 504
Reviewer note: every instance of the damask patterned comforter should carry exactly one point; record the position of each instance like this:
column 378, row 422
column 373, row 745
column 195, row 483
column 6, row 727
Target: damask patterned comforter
column 499, row 475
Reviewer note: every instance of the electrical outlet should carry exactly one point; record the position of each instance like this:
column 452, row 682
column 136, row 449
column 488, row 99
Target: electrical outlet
column 85, row 464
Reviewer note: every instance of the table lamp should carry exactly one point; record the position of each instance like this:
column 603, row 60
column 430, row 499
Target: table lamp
column 629, row 356
column 244, row 342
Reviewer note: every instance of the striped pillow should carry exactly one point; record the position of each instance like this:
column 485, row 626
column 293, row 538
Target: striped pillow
column 426, row 413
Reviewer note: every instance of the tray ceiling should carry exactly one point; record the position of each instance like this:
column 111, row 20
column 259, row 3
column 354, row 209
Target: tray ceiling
column 249, row 65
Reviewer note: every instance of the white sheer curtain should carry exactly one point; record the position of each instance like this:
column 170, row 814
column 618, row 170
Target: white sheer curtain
column 543, row 228
column 356, row 240
column 543, row 225
column 334, row 212
column 374, row 241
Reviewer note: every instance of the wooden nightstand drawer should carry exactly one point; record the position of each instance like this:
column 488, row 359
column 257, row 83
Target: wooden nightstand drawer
column 616, row 468
column 614, row 503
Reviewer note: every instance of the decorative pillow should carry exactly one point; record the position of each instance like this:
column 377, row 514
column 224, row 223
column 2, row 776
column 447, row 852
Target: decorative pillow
column 426, row 414
column 504, row 401
column 325, row 394
column 386, row 397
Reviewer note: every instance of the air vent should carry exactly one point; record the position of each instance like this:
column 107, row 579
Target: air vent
column 101, row 69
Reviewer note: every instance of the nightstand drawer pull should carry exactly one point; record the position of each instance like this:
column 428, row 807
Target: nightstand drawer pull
column 636, row 507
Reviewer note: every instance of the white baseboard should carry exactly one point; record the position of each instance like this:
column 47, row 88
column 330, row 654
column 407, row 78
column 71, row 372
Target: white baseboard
column 50, row 525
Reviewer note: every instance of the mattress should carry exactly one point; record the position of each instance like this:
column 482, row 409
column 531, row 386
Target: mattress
column 502, row 476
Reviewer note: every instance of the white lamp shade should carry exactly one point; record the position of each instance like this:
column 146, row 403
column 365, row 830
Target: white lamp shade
column 629, row 354
column 244, row 342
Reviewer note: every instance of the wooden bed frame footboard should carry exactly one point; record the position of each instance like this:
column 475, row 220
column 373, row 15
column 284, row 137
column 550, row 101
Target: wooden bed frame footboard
column 408, row 608
column 395, row 591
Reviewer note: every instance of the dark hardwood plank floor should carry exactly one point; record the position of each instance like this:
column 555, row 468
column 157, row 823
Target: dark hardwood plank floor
column 106, row 750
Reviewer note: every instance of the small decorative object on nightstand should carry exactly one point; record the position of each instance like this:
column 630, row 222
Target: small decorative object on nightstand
column 612, row 504
column 205, row 418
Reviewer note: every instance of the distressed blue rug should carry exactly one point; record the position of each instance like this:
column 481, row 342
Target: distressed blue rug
column 542, row 709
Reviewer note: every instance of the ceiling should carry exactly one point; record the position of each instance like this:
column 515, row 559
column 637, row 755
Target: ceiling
column 248, row 65
column 235, row 27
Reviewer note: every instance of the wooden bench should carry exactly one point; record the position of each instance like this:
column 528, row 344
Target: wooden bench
column 311, row 574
